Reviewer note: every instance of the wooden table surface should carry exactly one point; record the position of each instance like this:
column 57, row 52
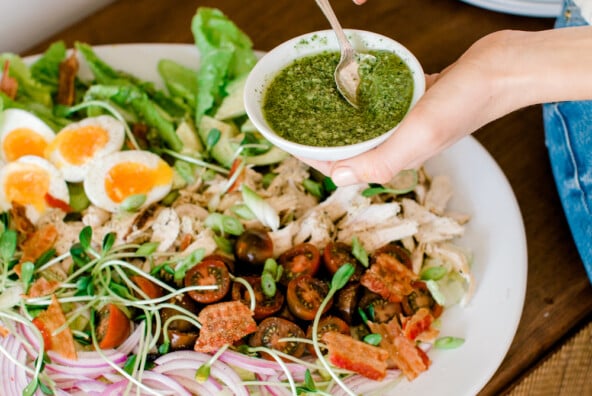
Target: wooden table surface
column 559, row 295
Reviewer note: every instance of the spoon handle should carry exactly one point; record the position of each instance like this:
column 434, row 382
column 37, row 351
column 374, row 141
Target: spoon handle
column 332, row 18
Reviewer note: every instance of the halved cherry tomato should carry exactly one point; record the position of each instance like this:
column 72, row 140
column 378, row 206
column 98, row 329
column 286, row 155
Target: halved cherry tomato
column 396, row 251
column 305, row 295
column 264, row 306
column 113, row 328
column 328, row 323
column 346, row 301
column 210, row 271
column 180, row 340
column 254, row 246
column 151, row 289
column 271, row 330
column 420, row 297
column 185, row 302
column 382, row 310
column 335, row 254
column 302, row 259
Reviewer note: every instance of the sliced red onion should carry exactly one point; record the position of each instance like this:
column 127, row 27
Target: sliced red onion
column 361, row 385
column 192, row 385
column 115, row 389
column 90, row 372
column 210, row 385
column 257, row 365
column 278, row 390
column 8, row 368
column 89, row 386
column 159, row 381
column 88, row 359
column 192, row 360
column 132, row 341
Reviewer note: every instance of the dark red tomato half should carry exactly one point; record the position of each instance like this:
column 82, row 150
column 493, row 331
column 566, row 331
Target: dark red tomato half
column 210, row 271
column 420, row 297
column 305, row 295
column 302, row 259
column 378, row 309
column 271, row 330
column 396, row 251
column 264, row 306
column 113, row 327
column 253, row 247
column 328, row 323
column 336, row 254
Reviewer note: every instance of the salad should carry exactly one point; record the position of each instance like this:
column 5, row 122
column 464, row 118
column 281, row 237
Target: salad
column 152, row 242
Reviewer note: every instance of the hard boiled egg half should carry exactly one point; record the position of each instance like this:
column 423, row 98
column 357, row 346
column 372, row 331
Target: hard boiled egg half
column 118, row 177
column 23, row 133
column 33, row 182
column 79, row 144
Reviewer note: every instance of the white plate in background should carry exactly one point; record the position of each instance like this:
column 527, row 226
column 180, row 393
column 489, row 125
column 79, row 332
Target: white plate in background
column 533, row 8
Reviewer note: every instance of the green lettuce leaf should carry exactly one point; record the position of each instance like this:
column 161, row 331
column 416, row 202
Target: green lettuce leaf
column 46, row 69
column 28, row 87
column 226, row 53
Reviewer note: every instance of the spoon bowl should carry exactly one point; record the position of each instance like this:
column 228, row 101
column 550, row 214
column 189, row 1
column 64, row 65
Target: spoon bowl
column 347, row 77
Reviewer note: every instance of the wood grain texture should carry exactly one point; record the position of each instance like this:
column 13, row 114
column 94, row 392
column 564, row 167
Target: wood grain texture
column 558, row 295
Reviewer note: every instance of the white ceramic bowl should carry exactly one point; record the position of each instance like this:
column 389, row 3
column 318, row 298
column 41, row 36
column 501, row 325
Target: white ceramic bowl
column 309, row 44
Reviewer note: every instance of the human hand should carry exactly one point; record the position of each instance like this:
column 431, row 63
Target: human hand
column 359, row 2
column 459, row 100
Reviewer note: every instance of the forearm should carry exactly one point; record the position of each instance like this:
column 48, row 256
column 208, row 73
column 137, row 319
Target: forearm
column 548, row 66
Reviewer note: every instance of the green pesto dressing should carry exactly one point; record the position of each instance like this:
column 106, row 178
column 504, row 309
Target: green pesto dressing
column 302, row 103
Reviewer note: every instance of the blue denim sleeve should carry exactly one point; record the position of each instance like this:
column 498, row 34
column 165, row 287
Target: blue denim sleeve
column 568, row 137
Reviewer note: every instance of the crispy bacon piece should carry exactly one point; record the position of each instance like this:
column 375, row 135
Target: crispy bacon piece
column 389, row 278
column 48, row 322
column 402, row 352
column 43, row 287
column 417, row 324
column 8, row 84
column 40, row 241
column 66, row 80
column 19, row 219
column 348, row 353
column 223, row 323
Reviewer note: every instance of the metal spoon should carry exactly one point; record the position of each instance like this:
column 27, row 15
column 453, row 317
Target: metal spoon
column 347, row 77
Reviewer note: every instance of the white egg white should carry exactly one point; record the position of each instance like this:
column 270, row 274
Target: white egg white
column 94, row 182
column 57, row 189
column 76, row 172
column 13, row 119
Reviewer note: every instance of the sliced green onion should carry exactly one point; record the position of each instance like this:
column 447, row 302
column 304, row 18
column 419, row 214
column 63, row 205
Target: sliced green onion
column 313, row 187
column 262, row 210
column 433, row 273
column 243, row 211
column 373, row 339
column 224, row 223
column 448, row 342
column 268, row 286
column 133, row 202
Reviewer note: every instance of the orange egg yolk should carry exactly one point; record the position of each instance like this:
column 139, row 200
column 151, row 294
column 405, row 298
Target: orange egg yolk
column 27, row 185
column 78, row 146
column 23, row 141
column 132, row 178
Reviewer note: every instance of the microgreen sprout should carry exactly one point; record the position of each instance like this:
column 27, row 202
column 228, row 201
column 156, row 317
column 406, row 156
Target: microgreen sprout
column 213, row 138
column 340, row 279
column 203, row 372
